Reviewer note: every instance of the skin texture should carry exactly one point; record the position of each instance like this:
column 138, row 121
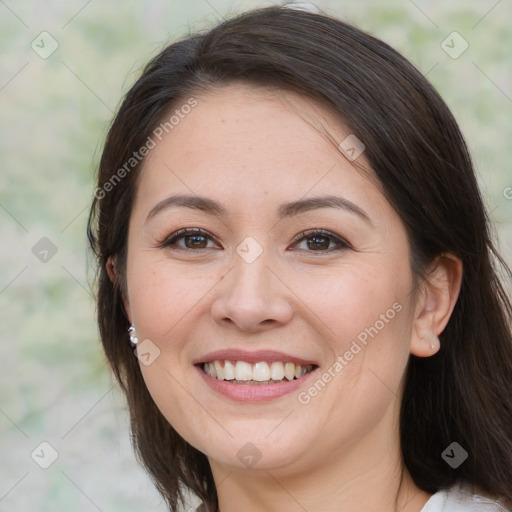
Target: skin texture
column 251, row 151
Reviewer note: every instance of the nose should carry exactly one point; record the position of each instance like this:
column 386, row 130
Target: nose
column 252, row 298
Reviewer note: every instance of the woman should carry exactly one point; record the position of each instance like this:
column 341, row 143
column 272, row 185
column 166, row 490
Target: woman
column 289, row 232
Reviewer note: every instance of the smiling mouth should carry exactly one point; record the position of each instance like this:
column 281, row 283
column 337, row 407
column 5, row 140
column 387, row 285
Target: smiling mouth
column 261, row 373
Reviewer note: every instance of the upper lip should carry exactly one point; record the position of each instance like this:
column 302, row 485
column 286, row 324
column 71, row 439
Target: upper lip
column 251, row 357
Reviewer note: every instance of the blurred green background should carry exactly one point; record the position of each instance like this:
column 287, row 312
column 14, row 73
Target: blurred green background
column 55, row 111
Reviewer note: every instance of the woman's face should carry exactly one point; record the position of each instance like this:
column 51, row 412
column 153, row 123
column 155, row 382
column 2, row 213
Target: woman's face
column 254, row 177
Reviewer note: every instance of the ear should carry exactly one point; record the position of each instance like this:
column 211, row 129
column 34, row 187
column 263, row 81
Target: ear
column 111, row 271
column 435, row 303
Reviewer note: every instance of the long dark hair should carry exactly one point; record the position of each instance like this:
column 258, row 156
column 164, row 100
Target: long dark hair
column 418, row 154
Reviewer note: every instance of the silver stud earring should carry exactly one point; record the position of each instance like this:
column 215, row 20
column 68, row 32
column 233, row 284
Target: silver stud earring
column 133, row 336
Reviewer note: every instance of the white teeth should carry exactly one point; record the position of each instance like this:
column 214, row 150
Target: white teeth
column 219, row 370
column 289, row 371
column 229, row 370
column 277, row 370
column 259, row 372
column 243, row 371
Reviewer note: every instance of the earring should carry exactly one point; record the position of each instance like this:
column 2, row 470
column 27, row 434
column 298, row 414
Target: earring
column 133, row 336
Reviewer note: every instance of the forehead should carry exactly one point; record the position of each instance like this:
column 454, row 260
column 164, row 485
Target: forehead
column 239, row 141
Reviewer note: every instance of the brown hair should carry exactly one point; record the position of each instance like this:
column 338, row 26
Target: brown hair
column 416, row 150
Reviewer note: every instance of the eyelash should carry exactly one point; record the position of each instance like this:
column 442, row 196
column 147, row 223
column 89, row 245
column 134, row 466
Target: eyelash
column 170, row 241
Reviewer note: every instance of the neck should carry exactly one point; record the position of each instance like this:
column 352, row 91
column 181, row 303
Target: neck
column 267, row 492
column 369, row 476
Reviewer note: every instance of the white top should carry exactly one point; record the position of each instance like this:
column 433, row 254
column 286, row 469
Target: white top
column 461, row 498
column 458, row 498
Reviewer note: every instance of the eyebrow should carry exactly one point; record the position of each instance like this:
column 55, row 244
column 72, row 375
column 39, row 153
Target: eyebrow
column 285, row 210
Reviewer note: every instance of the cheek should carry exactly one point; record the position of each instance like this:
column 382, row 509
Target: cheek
column 163, row 294
column 368, row 326
column 358, row 302
column 175, row 401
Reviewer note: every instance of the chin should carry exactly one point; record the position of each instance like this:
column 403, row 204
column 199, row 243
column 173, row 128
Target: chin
column 255, row 445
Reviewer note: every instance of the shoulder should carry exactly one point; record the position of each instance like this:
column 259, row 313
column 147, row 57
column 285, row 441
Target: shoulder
column 462, row 497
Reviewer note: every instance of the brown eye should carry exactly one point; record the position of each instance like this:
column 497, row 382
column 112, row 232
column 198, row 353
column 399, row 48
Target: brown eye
column 318, row 242
column 192, row 239
column 195, row 242
column 321, row 241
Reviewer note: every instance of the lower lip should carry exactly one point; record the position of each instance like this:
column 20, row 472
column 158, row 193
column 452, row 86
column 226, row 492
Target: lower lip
column 253, row 393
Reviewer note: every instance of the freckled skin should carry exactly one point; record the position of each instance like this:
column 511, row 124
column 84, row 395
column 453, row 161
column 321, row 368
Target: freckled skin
column 260, row 154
